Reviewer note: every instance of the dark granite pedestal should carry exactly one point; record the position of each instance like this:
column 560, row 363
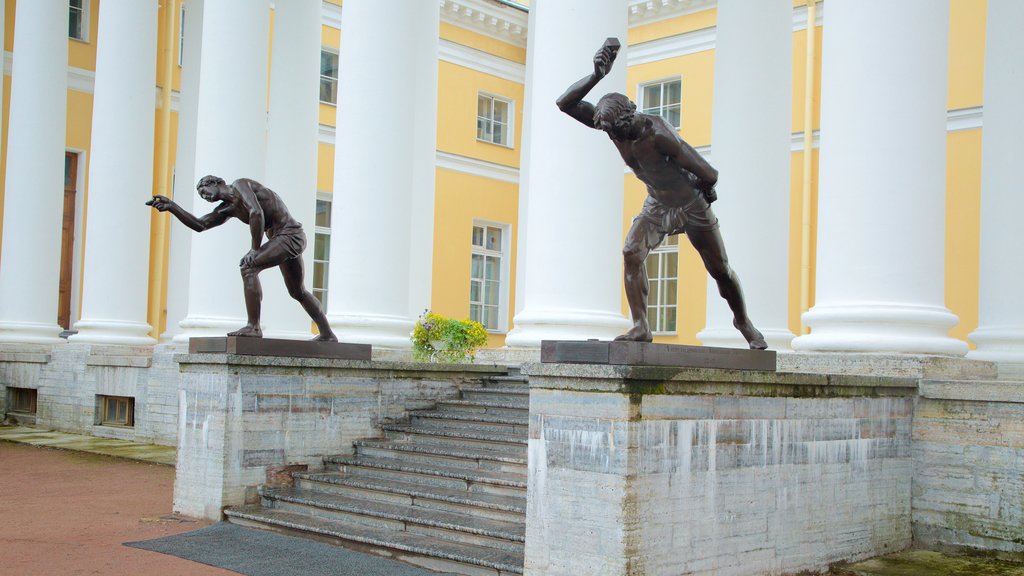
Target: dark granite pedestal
column 649, row 354
column 279, row 347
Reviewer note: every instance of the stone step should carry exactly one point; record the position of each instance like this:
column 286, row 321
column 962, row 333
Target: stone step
column 446, row 525
column 495, row 394
column 464, row 437
column 419, row 549
column 455, row 456
column 512, row 380
column 507, row 508
column 490, row 423
column 486, row 481
column 513, row 406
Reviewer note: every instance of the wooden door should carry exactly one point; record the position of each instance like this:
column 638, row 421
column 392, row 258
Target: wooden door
column 67, row 240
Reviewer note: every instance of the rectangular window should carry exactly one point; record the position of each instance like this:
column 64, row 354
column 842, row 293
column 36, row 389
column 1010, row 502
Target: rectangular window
column 663, row 280
column 78, row 22
column 663, row 99
column 21, row 400
column 494, row 120
column 117, row 410
column 328, row 76
column 322, row 250
column 181, row 36
column 485, row 277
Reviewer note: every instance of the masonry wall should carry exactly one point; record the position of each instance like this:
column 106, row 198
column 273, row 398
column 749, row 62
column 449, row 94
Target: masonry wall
column 687, row 471
column 969, row 467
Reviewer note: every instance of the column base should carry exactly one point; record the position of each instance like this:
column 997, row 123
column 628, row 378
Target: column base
column 777, row 338
column 112, row 332
column 378, row 330
column 206, row 327
column 880, row 328
column 1004, row 346
column 31, row 332
column 533, row 326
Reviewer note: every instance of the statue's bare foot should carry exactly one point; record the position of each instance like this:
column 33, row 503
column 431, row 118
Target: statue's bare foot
column 328, row 337
column 637, row 334
column 248, row 331
column 752, row 335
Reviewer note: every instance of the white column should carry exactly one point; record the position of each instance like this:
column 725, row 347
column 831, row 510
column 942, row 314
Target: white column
column 750, row 147
column 382, row 212
column 114, row 289
column 571, row 190
column 230, row 143
column 179, row 255
column 34, row 188
column 881, row 205
column 1000, row 333
column 292, row 147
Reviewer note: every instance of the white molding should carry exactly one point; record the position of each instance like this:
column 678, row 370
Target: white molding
column 643, row 12
column 964, row 119
column 331, row 15
column 474, row 59
column 497, row 21
column 800, row 16
column 81, row 80
column 326, row 134
column 472, row 166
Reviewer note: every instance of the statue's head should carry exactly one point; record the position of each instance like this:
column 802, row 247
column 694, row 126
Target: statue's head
column 208, row 187
column 614, row 114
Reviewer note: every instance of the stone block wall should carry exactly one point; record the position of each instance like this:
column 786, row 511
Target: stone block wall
column 68, row 378
column 240, row 416
column 638, row 470
column 968, row 450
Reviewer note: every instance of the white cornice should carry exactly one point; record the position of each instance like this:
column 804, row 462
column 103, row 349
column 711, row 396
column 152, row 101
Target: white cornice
column 649, row 11
column 481, row 61
column 964, row 119
column 331, row 15
column 800, row 16
column 467, row 165
column 491, row 19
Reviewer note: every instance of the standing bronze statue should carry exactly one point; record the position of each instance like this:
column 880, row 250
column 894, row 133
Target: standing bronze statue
column 264, row 212
column 680, row 188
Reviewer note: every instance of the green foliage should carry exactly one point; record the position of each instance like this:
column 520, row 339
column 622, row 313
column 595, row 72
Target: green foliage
column 436, row 338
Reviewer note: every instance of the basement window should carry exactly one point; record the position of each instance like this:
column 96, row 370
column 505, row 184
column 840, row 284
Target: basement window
column 21, row 400
column 117, row 411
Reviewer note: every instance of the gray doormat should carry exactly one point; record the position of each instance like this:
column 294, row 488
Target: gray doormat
column 261, row 553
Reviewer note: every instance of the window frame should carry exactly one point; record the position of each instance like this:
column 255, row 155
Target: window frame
column 511, row 124
column 324, row 231
column 641, row 93
column 662, row 253
column 129, row 412
column 85, row 21
column 503, row 270
column 17, row 397
column 181, row 35
column 336, row 53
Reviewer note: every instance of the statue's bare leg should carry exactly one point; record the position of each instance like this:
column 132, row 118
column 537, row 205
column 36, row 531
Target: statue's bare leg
column 267, row 255
column 292, row 270
column 711, row 248
column 634, row 271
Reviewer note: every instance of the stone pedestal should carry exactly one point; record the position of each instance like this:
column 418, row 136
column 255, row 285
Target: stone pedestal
column 240, row 416
column 657, row 470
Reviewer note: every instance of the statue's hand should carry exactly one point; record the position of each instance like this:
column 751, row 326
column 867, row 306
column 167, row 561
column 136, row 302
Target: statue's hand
column 161, row 203
column 603, row 62
column 248, row 259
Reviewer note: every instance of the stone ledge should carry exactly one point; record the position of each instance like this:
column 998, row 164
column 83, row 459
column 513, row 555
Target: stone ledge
column 1008, row 391
column 119, row 361
column 888, row 364
column 186, row 360
column 26, row 357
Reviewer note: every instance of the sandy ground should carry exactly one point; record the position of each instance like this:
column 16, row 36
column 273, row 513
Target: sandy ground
column 68, row 513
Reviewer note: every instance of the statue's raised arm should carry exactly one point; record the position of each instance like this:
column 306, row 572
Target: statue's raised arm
column 572, row 102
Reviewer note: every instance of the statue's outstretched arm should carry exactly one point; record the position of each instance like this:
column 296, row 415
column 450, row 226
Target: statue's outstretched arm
column 572, row 102
column 211, row 220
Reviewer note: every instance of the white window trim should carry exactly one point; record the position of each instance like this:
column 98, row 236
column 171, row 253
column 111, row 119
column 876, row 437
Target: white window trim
column 640, row 104
column 503, row 290
column 86, row 9
column 337, row 81
column 511, row 119
column 324, row 230
column 667, row 249
column 181, row 35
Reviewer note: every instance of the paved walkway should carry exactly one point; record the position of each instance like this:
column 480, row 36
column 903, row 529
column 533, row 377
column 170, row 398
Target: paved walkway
column 119, row 448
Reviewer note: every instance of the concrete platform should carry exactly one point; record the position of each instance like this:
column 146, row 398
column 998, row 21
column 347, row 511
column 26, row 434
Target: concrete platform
column 165, row 455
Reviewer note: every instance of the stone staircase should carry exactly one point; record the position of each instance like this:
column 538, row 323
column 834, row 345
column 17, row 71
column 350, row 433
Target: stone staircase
column 446, row 491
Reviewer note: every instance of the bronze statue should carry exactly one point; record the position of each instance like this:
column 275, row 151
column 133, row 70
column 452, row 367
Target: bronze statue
column 680, row 188
column 263, row 210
